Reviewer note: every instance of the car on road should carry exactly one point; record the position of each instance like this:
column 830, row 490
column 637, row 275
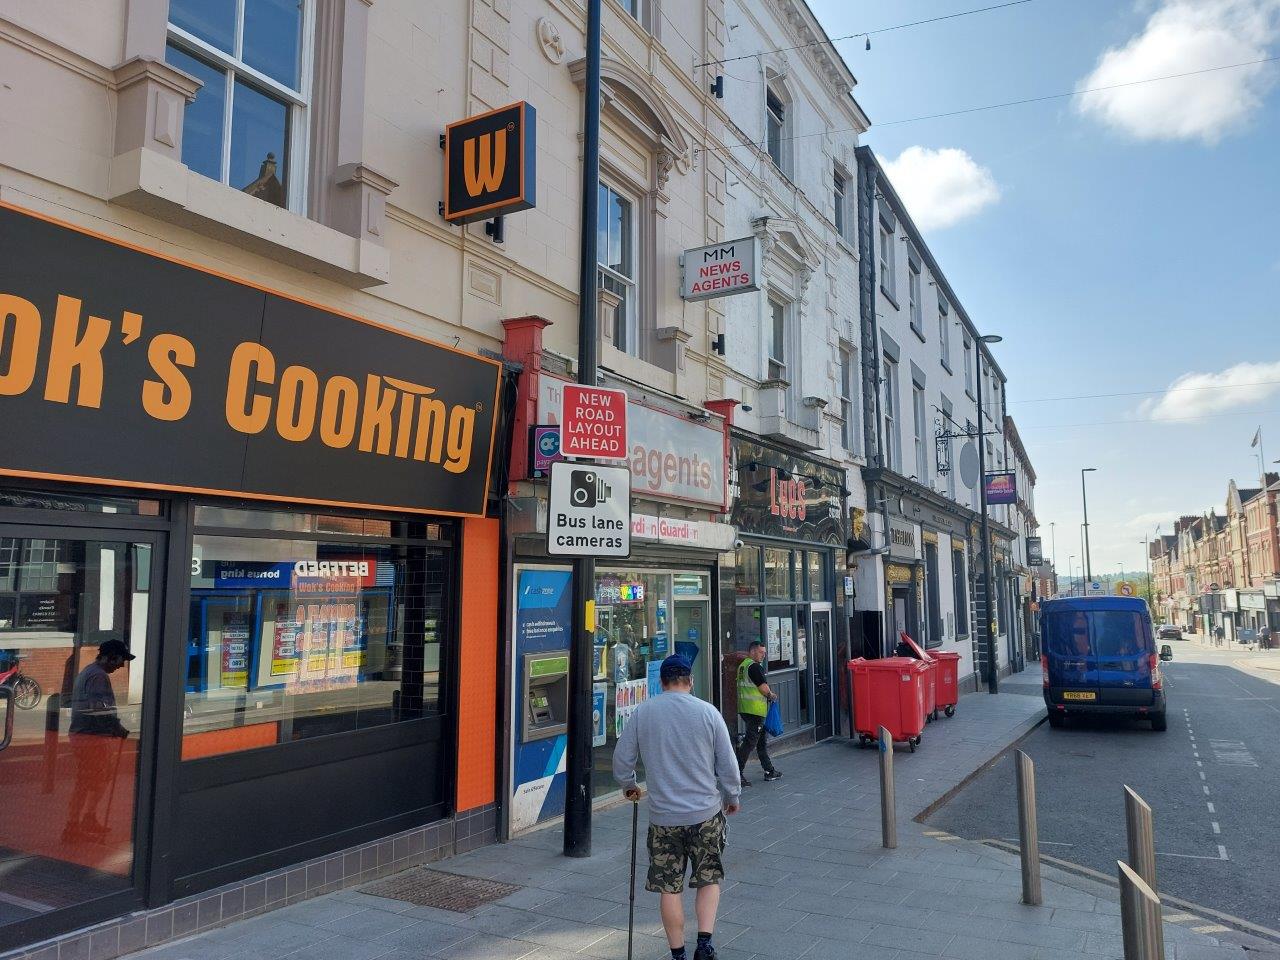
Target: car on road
column 1100, row 658
column 1168, row 632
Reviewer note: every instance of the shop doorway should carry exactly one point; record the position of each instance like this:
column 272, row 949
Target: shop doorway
column 903, row 615
column 822, row 711
column 80, row 737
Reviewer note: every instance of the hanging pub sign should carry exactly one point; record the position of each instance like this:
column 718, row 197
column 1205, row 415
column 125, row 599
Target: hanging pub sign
column 490, row 164
column 720, row 270
column 124, row 367
column 1002, row 488
column 1035, row 551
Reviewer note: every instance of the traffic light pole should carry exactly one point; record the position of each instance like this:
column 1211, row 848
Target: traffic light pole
column 578, row 762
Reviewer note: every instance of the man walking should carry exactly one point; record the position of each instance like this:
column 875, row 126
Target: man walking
column 754, row 696
column 692, row 776
column 94, row 724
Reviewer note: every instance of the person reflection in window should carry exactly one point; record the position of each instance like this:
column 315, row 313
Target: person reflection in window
column 94, row 723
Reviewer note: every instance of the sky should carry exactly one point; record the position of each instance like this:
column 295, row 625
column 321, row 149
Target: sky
column 1125, row 243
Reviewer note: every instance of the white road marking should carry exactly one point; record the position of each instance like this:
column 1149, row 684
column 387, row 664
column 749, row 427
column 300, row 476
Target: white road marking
column 1210, row 806
column 1232, row 752
column 1202, row 775
column 1216, row 828
column 1206, row 791
column 1222, row 855
column 1222, row 852
column 1199, row 763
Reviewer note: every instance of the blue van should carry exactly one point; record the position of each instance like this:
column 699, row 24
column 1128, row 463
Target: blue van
column 1099, row 656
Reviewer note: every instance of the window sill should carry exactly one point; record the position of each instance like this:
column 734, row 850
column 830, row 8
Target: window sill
column 919, row 333
column 969, row 393
column 847, row 244
column 947, row 367
column 159, row 186
column 889, row 296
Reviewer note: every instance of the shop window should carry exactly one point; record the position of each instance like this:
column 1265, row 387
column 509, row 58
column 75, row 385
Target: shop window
column 78, row 503
column 642, row 617
column 777, row 574
column 317, row 633
column 247, row 126
column 933, row 605
column 961, row 593
column 816, row 566
column 747, row 581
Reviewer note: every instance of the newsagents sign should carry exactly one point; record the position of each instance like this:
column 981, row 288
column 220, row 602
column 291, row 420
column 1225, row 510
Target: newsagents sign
column 124, row 367
column 720, row 270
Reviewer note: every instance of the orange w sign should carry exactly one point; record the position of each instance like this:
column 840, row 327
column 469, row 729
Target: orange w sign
column 489, row 164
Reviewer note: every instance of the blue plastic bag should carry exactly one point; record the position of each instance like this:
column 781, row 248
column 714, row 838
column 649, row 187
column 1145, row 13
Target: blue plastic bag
column 773, row 720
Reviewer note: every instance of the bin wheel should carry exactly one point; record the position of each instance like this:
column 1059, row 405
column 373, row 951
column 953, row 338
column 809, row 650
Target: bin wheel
column 950, row 711
column 912, row 743
column 863, row 740
column 928, row 718
column 935, row 714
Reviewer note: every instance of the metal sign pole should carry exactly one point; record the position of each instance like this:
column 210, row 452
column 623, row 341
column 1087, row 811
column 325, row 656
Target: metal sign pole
column 577, row 804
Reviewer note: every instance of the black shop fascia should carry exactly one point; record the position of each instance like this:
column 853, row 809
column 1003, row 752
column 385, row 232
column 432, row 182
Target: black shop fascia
column 787, row 587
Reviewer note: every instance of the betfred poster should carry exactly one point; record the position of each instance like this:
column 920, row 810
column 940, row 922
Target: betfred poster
column 235, row 650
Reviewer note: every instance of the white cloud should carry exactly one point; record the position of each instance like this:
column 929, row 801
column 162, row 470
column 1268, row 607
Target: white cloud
column 941, row 187
column 1206, row 394
column 1179, row 37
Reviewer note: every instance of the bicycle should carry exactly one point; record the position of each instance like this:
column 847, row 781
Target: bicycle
column 26, row 690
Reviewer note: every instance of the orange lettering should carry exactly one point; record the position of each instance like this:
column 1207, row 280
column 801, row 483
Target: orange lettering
column 25, row 344
column 168, row 398
column 71, row 352
column 243, row 415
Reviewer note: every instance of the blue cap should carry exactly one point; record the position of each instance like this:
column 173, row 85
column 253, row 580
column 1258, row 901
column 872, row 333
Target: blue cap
column 676, row 667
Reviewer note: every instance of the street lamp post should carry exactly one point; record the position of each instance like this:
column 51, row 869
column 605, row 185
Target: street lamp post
column 1084, row 497
column 1071, row 571
column 993, row 673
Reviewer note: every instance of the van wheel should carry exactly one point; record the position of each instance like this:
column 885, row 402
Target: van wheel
column 1159, row 722
column 1057, row 719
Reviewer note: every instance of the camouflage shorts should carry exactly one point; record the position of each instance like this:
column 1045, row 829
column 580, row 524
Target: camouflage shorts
column 671, row 849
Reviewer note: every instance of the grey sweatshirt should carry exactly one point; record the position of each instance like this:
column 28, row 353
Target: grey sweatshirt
column 686, row 749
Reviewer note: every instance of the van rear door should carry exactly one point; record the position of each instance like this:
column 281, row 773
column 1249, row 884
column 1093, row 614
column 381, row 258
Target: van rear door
column 1072, row 676
column 1124, row 650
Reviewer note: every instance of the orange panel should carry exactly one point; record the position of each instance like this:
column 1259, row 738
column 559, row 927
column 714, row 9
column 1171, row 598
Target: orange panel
column 478, row 679
column 213, row 742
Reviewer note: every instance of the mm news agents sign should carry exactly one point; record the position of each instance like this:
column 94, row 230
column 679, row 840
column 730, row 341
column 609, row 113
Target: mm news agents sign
column 720, row 270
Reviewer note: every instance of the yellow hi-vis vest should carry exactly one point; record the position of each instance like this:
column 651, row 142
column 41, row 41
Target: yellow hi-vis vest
column 751, row 701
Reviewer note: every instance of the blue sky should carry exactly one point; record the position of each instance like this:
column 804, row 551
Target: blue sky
column 1120, row 242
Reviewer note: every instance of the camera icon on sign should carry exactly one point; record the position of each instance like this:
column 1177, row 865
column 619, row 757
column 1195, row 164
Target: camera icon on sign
column 586, row 489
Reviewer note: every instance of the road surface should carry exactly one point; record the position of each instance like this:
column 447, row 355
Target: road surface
column 1212, row 780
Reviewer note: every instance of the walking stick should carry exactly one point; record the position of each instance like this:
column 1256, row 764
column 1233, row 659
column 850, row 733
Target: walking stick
column 631, row 912
column 115, row 776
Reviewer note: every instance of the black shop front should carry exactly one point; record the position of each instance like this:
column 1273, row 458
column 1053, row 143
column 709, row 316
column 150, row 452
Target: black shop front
column 266, row 504
column 783, row 588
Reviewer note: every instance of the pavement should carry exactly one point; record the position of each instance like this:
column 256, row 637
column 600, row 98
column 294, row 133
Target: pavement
column 1205, row 779
column 806, row 877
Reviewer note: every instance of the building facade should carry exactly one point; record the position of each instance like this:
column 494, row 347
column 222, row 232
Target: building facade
column 927, row 446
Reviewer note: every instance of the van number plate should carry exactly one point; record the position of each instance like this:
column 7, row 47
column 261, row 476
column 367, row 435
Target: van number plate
column 1079, row 695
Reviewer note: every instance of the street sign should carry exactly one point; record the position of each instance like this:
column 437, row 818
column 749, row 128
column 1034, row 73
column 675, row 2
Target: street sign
column 1124, row 589
column 720, row 270
column 1095, row 588
column 589, row 514
column 594, row 422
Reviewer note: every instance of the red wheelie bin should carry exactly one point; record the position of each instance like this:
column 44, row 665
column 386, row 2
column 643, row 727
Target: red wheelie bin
column 931, row 678
column 948, row 670
column 889, row 693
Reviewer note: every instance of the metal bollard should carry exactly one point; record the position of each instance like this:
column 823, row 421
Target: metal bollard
column 1140, row 917
column 1028, row 832
column 1142, row 842
column 888, row 815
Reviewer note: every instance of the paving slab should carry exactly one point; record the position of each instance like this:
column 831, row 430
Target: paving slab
column 807, row 878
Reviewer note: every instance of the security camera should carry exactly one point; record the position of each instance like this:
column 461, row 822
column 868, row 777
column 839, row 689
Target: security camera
column 737, row 544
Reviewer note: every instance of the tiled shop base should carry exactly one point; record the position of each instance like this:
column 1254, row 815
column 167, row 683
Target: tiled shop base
column 280, row 888
column 448, row 891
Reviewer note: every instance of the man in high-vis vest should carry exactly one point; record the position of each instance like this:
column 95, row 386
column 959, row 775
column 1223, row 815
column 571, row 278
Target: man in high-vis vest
column 753, row 703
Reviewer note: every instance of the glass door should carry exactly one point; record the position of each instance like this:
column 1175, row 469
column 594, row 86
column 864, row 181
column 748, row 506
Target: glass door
column 78, row 613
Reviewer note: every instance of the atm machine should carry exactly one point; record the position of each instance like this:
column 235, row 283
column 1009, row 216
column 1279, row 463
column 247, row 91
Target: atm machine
column 545, row 695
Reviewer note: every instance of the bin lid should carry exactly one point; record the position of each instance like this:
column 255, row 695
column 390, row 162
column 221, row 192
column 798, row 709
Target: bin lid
column 915, row 647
